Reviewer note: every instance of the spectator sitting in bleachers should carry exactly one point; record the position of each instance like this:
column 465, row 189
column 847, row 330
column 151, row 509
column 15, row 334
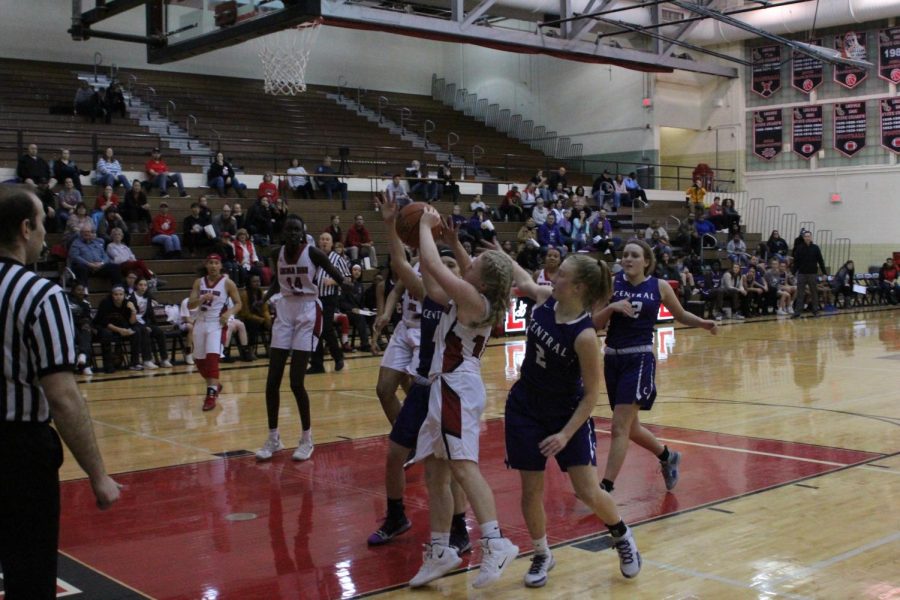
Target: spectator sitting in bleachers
column 358, row 241
column 602, row 239
column 509, row 249
column 540, row 185
column 414, row 176
column 259, row 221
column 151, row 334
column 761, row 253
column 788, row 282
column 163, row 232
column 621, row 196
column 716, row 215
column 116, row 321
column 559, row 195
column 667, row 269
column 777, row 245
column 64, row 167
column 279, row 211
column 353, row 304
column 565, row 227
column 888, row 281
column 778, row 297
column 549, row 234
column 704, row 227
column 267, row 188
column 76, row 222
column 87, row 102
column 196, row 236
column 654, row 226
column 109, row 171
column 111, row 220
column 246, row 257
column 480, row 228
column 694, row 196
column 114, row 101
column 581, row 229
column 122, row 255
column 458, row 219
column 557, row 178
column 238, row 213
column 87, row 256
column 326, row 180
column 732, row 289
column 602, row 190
column 66, row 201
column 529, row 250
column 445, row 182
column 224, row 222
column 34, row 171
column 659, row 245
column 478, row 202
column 395, row 190
column 159, row 176
column 731, row 215
column 106, row 198
column 510, row 208
column 334, row 228
column 539, row 212
column 135, row 209
column 255, row 312
column 842, row 284
column 823, row 286
column 221, row 176
column 578, row 200
column 635, row 190
column 737, row 249
column 84, row 332
column 299, row 181
column 555, row 207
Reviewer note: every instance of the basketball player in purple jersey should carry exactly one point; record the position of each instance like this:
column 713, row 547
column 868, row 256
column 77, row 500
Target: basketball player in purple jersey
column 548, row 411
column 629, row 366
column 405, row 428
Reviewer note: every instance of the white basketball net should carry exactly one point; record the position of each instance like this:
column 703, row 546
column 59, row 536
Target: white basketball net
column 284, row 57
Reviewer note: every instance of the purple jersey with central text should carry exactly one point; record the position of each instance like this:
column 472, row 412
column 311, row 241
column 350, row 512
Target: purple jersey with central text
column 625, row 331
column 551, row 370
column 431, row 316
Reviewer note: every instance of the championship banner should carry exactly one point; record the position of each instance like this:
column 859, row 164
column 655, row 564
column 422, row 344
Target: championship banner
column 806, row 132
column 849, row 127
column 766, row 78
column 890, row 123
column 889, row 54
column 851, row 44
column 767, row 133
column 807, row 73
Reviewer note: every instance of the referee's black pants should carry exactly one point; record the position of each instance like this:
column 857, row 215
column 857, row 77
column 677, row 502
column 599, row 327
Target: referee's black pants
column 30, row 457
column 329, row 334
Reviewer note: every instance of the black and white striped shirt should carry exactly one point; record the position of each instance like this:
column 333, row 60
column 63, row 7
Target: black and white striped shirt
column 38, row 339
column 342, row 265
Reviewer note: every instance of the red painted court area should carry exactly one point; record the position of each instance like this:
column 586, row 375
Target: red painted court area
column 237, row 529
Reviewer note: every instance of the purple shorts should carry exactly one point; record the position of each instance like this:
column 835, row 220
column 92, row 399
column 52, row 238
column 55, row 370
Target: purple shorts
column 630, row 379
column 525, row 432
column 405, row 431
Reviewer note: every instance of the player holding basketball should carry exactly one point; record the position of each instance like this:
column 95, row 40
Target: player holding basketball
column 406, row 427
column 548, row 411
column 448, row 439
column 295, row 331
column 209, row 298
column 629, row 366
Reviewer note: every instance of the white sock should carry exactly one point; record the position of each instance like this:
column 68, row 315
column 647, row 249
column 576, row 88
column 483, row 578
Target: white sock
column 490, row 530
column 306, row 436
column 541, row 546
column 440, row 539
column 273, row 433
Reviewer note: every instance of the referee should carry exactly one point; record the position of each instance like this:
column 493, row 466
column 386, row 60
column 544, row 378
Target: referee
column 38, row 363
column 329, row 296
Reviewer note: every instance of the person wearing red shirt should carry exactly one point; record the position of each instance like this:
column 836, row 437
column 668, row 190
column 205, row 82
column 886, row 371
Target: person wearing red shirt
column 162, row 232
column 267, row 189
column 103, row 200
column 159, row 176
column 358, row 239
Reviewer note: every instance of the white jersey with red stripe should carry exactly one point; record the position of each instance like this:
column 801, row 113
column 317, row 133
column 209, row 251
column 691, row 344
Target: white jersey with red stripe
column 210, row 311
column 542, row 279
column 458, row 347
column 411, row 311
column 298, row 278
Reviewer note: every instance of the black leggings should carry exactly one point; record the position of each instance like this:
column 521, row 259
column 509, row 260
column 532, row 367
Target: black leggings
column 277, row 360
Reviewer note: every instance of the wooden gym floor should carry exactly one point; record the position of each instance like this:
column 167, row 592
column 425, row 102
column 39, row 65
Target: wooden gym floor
column 790, row 483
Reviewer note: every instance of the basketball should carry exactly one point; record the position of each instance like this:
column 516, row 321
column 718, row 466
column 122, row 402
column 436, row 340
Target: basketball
column 408, row 224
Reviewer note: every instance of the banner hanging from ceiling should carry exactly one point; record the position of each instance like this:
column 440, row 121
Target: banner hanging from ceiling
column 767, row 133
column 807, row 73
column 851, row 44
column 889, row 54
column 766, row 78
column 890, row 124
column 849, row 127
column 806, row 132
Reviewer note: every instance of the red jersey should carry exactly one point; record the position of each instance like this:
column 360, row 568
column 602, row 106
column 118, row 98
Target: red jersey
column 102, row 201
column 163, row 225
column 157, row 166
column 267, row 189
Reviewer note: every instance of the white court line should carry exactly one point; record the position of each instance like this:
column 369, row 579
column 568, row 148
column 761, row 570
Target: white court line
column 359, row 395
column 155, row 438
column 878, row 470
column 712, row 577
column 745, row 451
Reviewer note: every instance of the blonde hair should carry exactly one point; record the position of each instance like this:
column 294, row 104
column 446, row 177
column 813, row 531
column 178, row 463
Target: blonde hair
column 648, row 254
column 594, row 275
column 496, row 276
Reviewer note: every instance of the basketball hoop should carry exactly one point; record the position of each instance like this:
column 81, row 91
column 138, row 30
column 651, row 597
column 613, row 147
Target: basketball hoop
column 284, row 57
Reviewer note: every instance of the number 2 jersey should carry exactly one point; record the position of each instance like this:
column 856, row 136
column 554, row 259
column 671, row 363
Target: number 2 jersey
column 625, row 331
column 209, row 312
column 551, row 370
